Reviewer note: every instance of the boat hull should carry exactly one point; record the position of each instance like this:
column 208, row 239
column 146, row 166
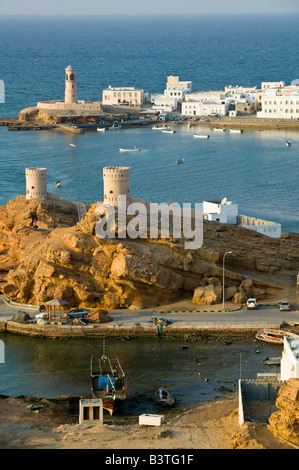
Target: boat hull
column 274, row 336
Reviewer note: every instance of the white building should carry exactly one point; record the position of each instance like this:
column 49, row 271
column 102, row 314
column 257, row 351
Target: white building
column 289, row 364
column 280, row 103
column 205, row 108
column 227, row 212
column 127, row 96
column 223, row 211
column 174, row 94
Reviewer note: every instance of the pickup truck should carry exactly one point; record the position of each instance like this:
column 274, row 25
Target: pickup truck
column 252, row 304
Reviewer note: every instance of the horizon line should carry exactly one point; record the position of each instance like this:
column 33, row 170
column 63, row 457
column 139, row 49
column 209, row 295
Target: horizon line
column 279, row 12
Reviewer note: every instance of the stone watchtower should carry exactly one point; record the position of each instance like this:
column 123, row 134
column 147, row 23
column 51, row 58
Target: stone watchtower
column 116, row 183
column 36, row 183
column 70, row 85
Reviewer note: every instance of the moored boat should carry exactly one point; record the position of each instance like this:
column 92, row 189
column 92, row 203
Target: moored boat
column 201, row 136
column 130, row 149
column 217, row 129
column 180, row 160
column 108, row 382
column 101, row 129
column 288, row 143
column 164, row 397
column 159, row 128
column 274, row 336
column 168, row 130
column 236, row 131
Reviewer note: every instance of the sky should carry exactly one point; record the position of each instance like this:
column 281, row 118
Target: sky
column 139, row 7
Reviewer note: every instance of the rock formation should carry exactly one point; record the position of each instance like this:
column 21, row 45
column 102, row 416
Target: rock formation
column 285, row 422
column 76, row 265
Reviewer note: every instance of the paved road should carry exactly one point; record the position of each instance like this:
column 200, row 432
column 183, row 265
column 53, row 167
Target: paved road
column 262, row 317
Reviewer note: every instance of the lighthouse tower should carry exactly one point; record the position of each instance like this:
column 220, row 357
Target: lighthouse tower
column 36, row 183
column 70, row 85
column 116, row 183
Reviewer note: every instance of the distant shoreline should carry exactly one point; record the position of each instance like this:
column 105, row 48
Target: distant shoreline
column 249, row 122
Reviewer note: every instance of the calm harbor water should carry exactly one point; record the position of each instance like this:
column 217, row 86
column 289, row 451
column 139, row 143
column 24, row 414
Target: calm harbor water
column 254, row 169
column 47, row 368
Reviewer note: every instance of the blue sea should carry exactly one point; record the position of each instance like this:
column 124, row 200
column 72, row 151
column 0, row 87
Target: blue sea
column 254, row 169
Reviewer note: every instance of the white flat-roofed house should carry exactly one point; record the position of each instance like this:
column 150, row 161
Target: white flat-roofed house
column 267, row 85
column 223, row 211
column 227, row 212
column 127, row 96
column 280, row 103
column 244, row 99
column 174, row 94
column 289, row 364
column 205, row 108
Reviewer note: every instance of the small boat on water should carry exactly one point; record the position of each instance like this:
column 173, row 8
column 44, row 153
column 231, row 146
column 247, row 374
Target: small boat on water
column 219, row 129
column 159, row 128
column 72, row 145
column 273, row 361
column 236, row 131
column 288, row 143
column 115, row 126
column 130, row 149
column 201, row 136
column 168, row 130
column 180, row 160
column 274, row 336
column 108, row 382
column 164, row 397
column 101, row 129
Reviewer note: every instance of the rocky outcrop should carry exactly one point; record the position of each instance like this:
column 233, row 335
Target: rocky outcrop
column 285, row 422
column 78, row 266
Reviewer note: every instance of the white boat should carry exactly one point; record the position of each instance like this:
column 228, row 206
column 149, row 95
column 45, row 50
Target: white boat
column 201, row 136
column 130, row 149
column 217, row 129
column 288, row 143
column 101, row 129
column 115, row 126
column 164, row 397
column 72, row 145
column 168, row 130
column 159, row 128
column 180, row 160
column 236, row 131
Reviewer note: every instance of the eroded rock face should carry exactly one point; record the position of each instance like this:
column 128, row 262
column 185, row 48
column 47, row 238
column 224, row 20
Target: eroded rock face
column 285, row 422
column 76, row 265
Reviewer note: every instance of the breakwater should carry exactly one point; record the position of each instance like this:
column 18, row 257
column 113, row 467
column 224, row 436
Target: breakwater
column 64, row 332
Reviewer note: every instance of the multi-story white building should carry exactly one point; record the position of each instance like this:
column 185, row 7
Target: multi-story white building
column 280, row 103
column 173, row 95
column 128, row 96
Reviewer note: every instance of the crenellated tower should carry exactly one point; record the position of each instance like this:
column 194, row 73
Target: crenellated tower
column 116, row 183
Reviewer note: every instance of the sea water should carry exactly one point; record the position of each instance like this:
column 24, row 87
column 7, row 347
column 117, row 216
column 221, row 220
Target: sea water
column 193, row 372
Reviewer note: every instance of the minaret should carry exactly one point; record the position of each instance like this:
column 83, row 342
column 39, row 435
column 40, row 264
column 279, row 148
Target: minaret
column 70, row 85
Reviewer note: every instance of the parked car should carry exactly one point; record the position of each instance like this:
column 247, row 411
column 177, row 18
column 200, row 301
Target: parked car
column 284, row 305
column 252, row 304
column 78, row 313
column 42, row 315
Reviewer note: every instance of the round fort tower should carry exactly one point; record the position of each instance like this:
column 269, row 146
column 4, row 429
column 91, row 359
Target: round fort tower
column 116, row 183
column 70, row 85
column 36, row 183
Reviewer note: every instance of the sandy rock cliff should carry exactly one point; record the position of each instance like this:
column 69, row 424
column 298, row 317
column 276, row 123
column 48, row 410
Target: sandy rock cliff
column 76, row 265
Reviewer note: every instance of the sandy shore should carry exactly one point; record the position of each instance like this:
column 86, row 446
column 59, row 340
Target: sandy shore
column 29, row 423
